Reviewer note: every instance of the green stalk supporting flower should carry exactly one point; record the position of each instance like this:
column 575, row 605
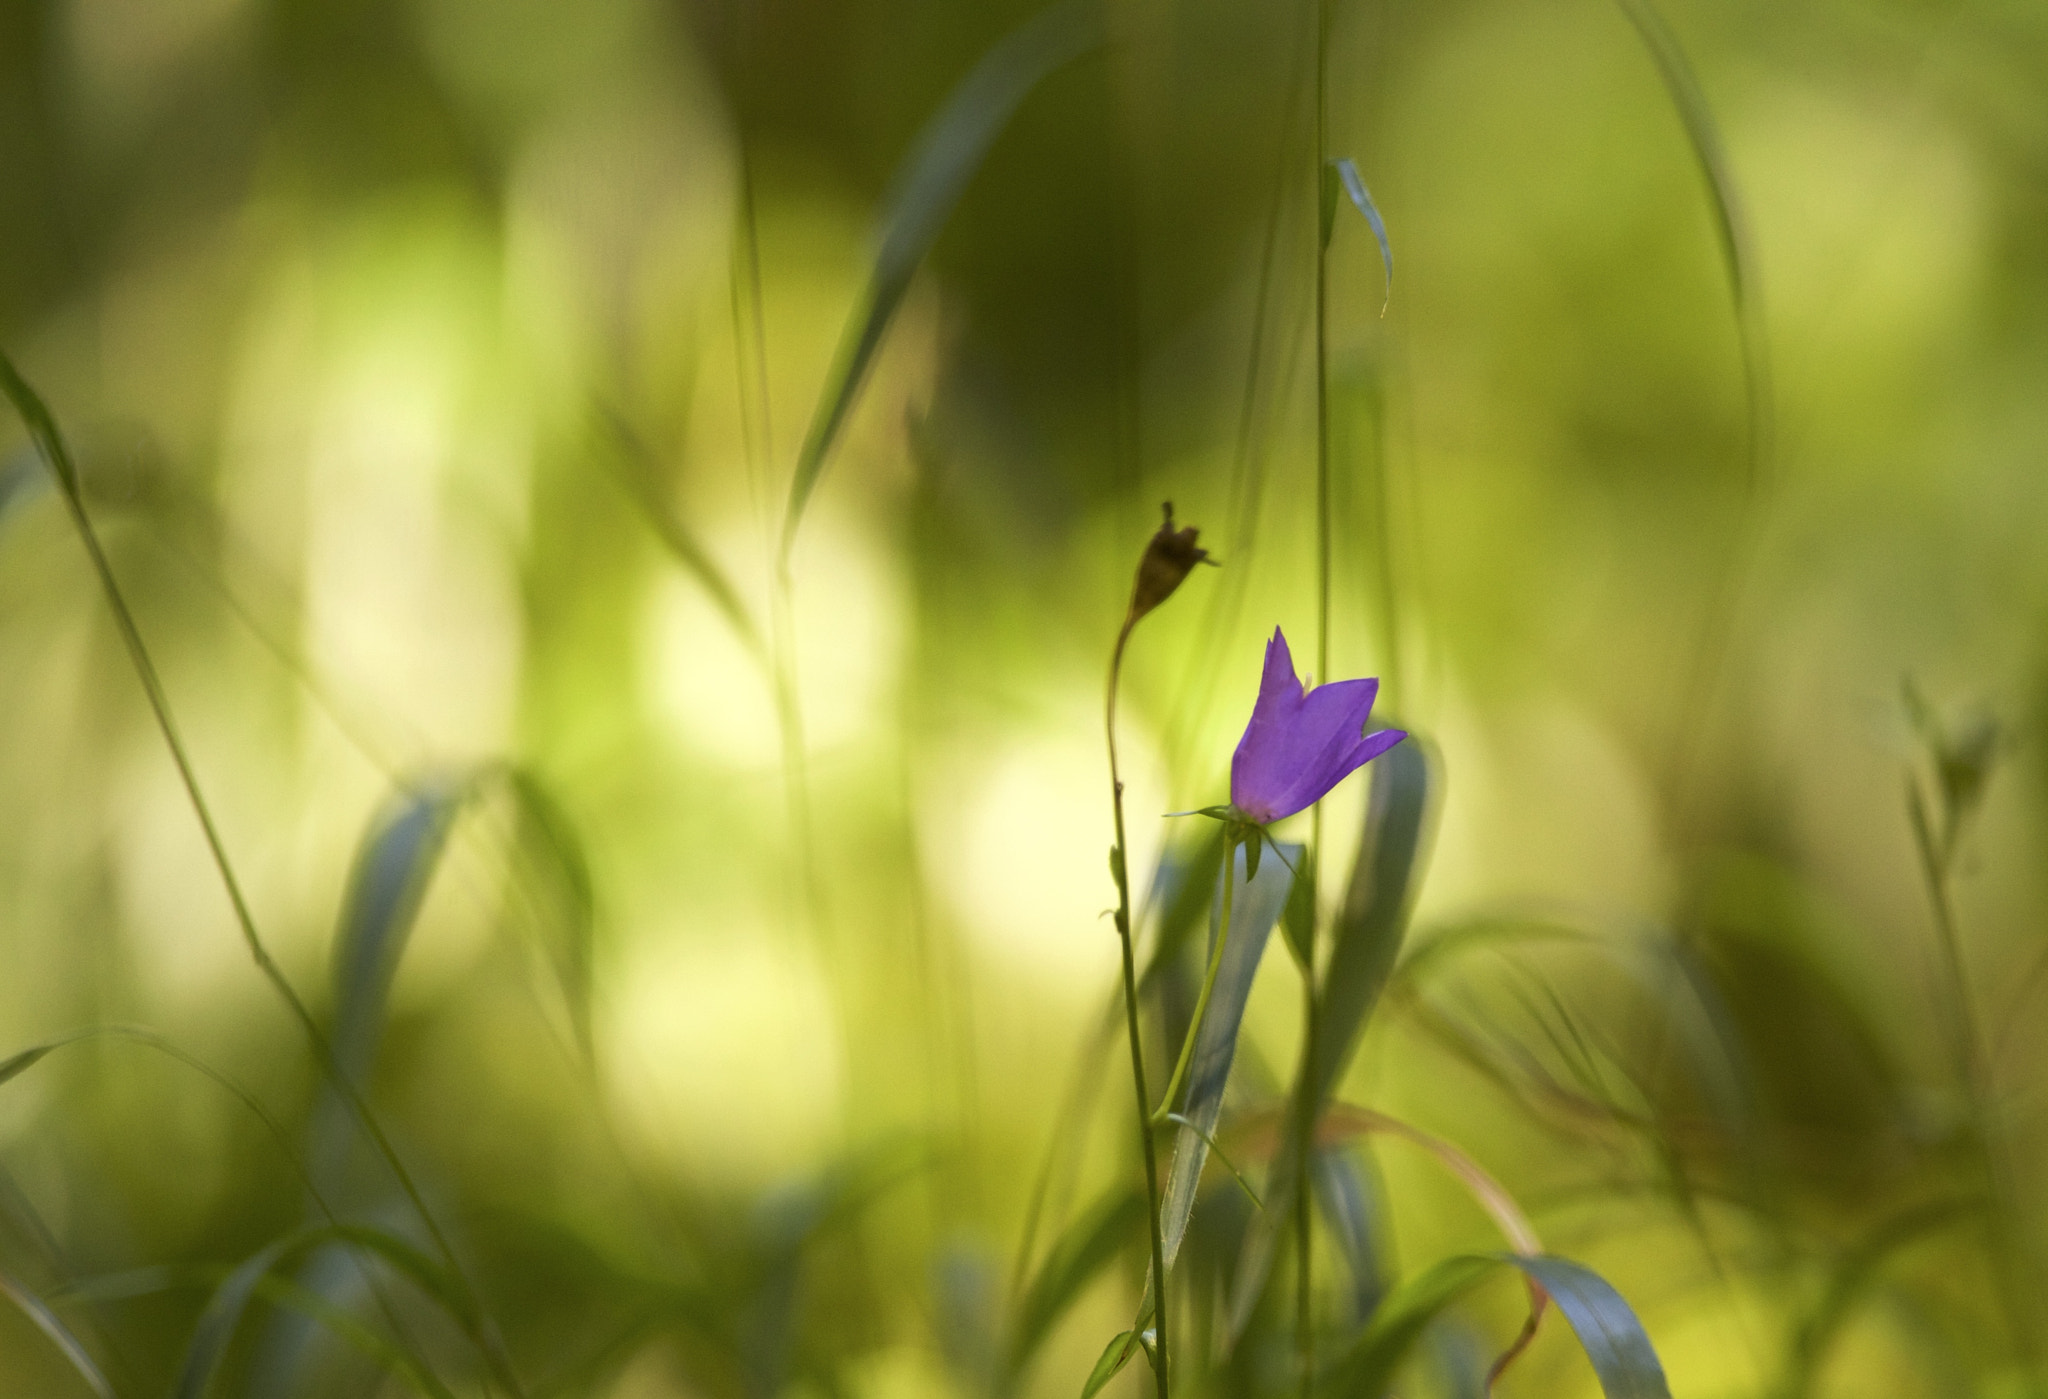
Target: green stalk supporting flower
column 1167, row 561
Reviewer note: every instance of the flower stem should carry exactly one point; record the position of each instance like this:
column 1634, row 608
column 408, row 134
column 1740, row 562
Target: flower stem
column 1144, row 1099
column 1187, row 1047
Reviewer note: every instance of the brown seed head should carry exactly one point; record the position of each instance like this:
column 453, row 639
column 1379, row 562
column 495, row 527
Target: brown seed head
column 1169, row 558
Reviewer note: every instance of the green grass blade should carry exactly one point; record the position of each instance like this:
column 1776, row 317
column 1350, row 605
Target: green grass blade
column 1614, row 1340
column 351, row 1332
column 1731, row 228
column 1088, row 1246
column 47, row 1322
column 929, row 183
column 1115, row 1356
column 1608, row 1331
column 223, row 1314
column 393, row 867
column 1361, row 199
column 1351, row 1207
column 568, row 934
column 637, row 473
column 18, row 1063
column 1368, row 1367
column 57, row 457
column 1366, row 941
column 19, row 478
column 1254, row 911
column 1856, row 1274
column 230, row 1300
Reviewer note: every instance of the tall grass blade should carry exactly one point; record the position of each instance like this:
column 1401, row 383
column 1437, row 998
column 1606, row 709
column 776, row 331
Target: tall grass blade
column 784, row 1225
column 19, row 478
column 393, row 867
column 26, row 1059
column 1353, row 184
column 57, row 457
column 339, row 1323
column 1855, row 1275
column 230, row 1300
column 1607, row 1328
column 1117, row 1354
column 1255, row 909
column 1623, row 1359
column 48, row 1322
column 1731, row 227
column 568, row 934
column 638, row 475
column 1351, row 1206
column 948, row 152
column 1366, row 940
column 1089, row 1245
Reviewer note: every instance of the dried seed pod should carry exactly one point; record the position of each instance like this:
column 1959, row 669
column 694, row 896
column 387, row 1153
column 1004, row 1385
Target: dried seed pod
column 1168, row 559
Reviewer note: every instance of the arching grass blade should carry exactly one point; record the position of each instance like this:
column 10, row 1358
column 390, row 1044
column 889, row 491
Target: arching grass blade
column 929, row 183
column 47, row 1322
column 1614, row 1340
column 393, row 867
column 224, row 1310
column 1345, row 175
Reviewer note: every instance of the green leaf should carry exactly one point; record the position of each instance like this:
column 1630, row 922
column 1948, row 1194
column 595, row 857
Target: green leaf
column 1089, row 1245
column 1737, row 258
column 929, row 183
column 1351, row 1206
column 1254, row 910
column 1367, row 935
column 26, row 1059
column 1366, row 940
column 47, row 1322
column 1858, row 1271
column 393, row 1358
column 19, row 478
column 223, row 1314
column 42, row 428
column 639, row 475
column 568, row 925
column 1346, row 174
column 1115, row 1356
column 1608, row 1331
column 1368, row 1366
column 224, row 1310
column 393, row 867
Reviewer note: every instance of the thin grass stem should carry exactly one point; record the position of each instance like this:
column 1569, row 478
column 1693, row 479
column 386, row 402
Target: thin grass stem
column 1304, row 1215
column 50, row 443
column 1936, row 853
column 1147, row 1149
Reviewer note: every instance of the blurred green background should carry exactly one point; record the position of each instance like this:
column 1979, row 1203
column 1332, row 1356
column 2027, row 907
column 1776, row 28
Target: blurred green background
column 424, row 358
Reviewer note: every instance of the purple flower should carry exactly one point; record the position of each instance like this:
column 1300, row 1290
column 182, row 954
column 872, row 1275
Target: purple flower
column 1301, row 742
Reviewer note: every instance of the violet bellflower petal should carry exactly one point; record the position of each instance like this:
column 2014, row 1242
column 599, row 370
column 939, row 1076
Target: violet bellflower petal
column 1300, row 742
